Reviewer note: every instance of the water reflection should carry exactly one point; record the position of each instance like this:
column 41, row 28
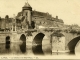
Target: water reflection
column 23, row 47
column 15, row 48
column 7, row 45
column 38, row 50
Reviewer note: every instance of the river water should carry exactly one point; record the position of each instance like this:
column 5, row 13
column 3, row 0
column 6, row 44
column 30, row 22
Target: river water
column 15, row 48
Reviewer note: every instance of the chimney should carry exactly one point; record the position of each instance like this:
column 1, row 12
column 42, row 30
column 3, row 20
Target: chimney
column 56, row 17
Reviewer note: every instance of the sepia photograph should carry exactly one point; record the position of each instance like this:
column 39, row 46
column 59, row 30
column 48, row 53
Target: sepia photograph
column 39, row 29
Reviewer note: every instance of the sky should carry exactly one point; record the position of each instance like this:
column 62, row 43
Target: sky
column 67, row 10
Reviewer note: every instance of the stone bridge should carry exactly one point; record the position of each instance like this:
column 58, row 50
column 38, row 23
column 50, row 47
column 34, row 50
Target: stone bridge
column 43, row 42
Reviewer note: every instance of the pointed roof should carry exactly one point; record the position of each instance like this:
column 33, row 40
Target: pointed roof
column 27, row 5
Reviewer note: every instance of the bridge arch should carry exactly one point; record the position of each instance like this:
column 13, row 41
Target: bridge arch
column 23, row 37
column 72, row 44
column 37, row 44
column 7, row 42
column 23, row 45
column 7, row 38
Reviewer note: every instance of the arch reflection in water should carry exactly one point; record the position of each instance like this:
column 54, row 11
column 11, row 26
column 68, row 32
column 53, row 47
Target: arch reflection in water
column 72, row 44
column 7, row 46
column 23, row 45
column 37, row 44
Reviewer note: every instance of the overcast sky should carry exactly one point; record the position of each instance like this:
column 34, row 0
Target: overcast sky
column 68, row 10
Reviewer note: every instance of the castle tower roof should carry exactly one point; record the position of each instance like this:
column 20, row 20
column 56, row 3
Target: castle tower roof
column 27, row 6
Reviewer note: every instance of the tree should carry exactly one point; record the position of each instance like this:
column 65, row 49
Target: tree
column 0, row 18
column 6, row 17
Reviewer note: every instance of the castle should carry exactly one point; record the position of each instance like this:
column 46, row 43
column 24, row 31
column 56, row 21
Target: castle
column 29, row 19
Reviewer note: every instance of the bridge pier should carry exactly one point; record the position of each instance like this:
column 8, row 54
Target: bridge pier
column 29, row 40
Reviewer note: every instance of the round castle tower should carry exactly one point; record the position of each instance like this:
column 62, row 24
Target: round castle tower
column 27, row 9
